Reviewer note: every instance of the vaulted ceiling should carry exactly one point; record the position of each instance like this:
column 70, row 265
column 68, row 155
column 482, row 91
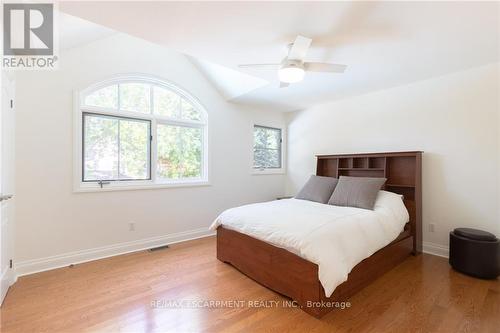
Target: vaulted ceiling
column 74, row 32
column 384, row 44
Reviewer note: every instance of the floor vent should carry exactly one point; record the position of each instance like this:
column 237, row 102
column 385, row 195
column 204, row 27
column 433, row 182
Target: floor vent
column 159, row 248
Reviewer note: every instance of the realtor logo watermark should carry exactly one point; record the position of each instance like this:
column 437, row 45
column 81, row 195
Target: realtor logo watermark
column 29, row 40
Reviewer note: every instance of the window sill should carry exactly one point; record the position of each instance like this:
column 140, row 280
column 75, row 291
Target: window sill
column 268, row 171
column 129, row 186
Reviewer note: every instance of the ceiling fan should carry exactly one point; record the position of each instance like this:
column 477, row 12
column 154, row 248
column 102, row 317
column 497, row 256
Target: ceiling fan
column 293, row 67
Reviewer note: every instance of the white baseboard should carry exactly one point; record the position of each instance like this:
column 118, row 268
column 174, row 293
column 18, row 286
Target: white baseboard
column 436, row 249
column 44, row 264
column 4, row 287
column 10, row 276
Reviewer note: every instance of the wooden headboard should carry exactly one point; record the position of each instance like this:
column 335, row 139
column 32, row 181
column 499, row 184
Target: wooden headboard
column 403, row 171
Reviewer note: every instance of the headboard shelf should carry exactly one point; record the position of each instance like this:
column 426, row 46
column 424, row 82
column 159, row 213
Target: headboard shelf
column 360, row 162
column 403, row 171
column 398, row 185
column 376, row 169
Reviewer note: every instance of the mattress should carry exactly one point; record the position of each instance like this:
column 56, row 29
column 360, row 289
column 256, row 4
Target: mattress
column 333, row 237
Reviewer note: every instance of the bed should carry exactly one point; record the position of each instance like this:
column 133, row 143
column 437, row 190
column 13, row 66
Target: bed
column 279, row 260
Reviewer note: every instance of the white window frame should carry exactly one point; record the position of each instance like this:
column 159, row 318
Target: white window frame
column 270, row 171
column 154, row 182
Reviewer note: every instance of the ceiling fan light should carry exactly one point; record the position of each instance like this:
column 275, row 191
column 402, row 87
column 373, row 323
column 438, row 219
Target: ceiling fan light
column 291, row 74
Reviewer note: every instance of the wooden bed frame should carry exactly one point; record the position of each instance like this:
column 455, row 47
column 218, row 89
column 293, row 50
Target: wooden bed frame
column 297, row 278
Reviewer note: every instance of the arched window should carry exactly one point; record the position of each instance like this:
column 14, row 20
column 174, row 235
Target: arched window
column 140, row 131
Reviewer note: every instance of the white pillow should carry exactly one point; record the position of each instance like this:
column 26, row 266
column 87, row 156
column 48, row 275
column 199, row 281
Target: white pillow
column 393, row 204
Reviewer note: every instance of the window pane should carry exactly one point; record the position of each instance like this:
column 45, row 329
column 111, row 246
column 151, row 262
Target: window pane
column 166, row 103
column 189, row 111
column 134, row 149
column 266, row 158
column 179, row 152
column 105, row 98
column 100, row 148
column 267, row 137
column 115, row 148
column 135, row 97
column 267, row 147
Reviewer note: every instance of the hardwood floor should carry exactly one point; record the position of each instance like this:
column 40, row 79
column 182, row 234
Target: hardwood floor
column 423, row 294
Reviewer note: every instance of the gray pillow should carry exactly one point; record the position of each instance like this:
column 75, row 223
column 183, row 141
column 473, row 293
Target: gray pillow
column 359, row 192
column 318, row 189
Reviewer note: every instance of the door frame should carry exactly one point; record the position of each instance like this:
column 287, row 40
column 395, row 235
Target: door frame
column 9, row 275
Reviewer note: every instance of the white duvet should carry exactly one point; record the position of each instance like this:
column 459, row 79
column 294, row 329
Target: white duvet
column 335, row 238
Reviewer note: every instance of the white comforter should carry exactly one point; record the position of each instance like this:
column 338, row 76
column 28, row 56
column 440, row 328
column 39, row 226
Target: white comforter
column 335, row 238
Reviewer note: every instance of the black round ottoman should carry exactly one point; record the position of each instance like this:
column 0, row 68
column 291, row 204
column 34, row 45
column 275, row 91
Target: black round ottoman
column 475, row 252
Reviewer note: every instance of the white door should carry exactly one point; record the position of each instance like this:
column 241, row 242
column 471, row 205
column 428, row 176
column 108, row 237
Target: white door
column 7, row 169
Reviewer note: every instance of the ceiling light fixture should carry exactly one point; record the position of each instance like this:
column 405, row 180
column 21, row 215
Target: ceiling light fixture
column 293, row 67
column 291, row 74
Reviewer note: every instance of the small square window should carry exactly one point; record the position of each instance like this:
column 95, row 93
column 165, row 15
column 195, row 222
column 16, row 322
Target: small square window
column 267, row 147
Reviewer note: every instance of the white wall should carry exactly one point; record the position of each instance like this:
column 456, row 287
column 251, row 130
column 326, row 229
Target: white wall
column 53, row 222
column 453, row 119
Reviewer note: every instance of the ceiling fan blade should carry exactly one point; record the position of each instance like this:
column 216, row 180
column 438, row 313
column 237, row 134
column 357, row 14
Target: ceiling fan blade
column 324, row 67
column 284, row 84
column 299, row 48
column 261, row 66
